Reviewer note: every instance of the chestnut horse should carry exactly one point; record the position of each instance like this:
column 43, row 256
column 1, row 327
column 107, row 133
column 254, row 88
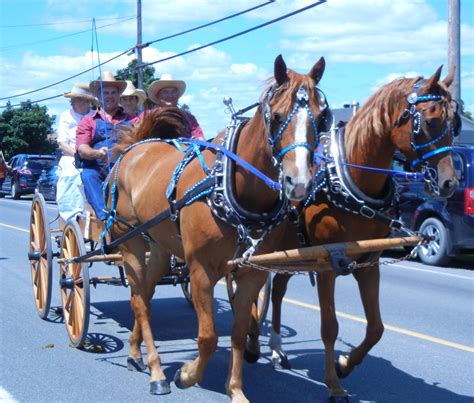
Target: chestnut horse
column 279, row 141
column 383, row 125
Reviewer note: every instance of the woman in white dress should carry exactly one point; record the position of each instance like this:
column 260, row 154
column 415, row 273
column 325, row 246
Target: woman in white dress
column 69, row 194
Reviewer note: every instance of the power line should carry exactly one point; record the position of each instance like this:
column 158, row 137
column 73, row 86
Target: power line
column 64, row 22
column 19, row 45
column 129, row 50
column 208, row 24
column 174, row 56
column 238, row 33
column 66, row 79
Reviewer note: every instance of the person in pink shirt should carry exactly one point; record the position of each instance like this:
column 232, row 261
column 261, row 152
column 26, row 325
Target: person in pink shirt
column 166, row 92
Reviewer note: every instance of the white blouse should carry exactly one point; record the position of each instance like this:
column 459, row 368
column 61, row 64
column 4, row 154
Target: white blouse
column 68, row 122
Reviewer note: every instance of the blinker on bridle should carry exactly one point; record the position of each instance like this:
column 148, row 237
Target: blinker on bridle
column 413, row 100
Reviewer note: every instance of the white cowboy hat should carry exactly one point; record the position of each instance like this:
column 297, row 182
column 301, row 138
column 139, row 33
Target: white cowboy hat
column 80, row 90
column 165, row 81
column 108, row 80
column 131, row 91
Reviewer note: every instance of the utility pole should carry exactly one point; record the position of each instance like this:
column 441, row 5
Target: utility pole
column 454, row 53
column 139, row 45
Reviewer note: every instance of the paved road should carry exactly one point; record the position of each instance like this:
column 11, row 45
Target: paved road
column 425, row 355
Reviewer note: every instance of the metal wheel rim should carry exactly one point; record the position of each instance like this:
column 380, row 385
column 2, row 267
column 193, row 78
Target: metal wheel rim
column 433, row 247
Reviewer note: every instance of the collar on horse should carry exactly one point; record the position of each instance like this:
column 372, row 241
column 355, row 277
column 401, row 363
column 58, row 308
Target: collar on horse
column 252, row 227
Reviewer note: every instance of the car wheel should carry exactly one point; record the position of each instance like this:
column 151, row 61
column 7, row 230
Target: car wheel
column 15, row 191
column 434, row 253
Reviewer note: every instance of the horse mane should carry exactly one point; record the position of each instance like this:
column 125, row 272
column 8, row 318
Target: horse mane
column 377, row 114
column 164, row 123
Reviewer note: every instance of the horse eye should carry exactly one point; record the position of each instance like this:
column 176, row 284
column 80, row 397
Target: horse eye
column 277, row 118
column 433, row 108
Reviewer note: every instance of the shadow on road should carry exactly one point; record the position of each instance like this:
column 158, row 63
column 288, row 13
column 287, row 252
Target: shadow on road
column 175, row 329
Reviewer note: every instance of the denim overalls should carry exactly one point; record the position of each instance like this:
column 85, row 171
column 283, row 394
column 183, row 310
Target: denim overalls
column 95, row 171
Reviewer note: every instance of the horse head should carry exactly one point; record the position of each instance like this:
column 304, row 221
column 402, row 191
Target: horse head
column 432, row 120
column 292, row 109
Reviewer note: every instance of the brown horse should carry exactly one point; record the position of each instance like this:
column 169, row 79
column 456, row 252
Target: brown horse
column 278, row 141
column 380, row 127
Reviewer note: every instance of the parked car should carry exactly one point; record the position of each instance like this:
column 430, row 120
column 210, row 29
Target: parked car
column 449, row 221
column 46, row 184
column 24, row 173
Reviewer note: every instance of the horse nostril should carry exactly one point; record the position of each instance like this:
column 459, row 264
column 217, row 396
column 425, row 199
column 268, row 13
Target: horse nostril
column 449, row 184
column 289, row 180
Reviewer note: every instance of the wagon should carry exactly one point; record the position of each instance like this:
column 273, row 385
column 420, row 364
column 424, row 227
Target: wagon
column 75, row 240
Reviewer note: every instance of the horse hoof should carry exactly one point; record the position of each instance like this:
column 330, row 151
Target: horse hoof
column 341, row 373
column 250, row 357
column 135, row 364
column 281, row 362
column 177, row 380
column 160, row 387
column 339, row 399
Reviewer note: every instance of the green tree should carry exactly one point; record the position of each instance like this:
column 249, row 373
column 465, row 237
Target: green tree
column 26, row 130
column 130, row 73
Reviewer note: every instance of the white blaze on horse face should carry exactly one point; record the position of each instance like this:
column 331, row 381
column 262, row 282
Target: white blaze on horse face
column 302, row 175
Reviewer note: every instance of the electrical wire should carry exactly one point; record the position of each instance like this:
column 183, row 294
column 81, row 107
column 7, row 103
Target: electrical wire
column 66, row 79
column 130, row 49
column 208, row 24
column 236, row 35
column 20, row 45
column 174, row 56
column 64, row 22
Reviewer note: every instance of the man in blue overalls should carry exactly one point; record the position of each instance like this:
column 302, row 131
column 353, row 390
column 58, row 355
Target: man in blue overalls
column 96, row 134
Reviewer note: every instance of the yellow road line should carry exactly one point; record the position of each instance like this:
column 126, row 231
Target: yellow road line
column 396, row 329
column 388, row 327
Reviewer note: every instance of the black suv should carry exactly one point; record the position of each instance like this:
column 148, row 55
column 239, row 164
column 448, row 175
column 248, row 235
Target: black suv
column 24, row 173
column 450, row 221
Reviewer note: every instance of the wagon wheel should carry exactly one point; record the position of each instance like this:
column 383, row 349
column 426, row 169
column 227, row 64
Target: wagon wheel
column 263, row 300
column 40, row 255
column 74, row 283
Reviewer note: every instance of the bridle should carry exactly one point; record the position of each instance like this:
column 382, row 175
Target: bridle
column 301, row 101
column 417, row 118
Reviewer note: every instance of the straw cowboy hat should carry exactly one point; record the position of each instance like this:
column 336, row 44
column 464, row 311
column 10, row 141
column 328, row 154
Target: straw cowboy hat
column 131, row 91
column 108, row 80
column 165, row 81
column 80, row 90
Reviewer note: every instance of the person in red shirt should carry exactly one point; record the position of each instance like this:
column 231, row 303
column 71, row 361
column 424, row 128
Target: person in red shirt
column 97, row 134
column 166, row 92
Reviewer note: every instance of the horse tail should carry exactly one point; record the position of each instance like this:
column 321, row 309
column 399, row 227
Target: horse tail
column 164, row 123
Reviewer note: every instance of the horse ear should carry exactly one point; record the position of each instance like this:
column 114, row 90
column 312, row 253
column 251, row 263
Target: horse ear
column 448, row 80
column 317, row 71
column 433, row 80
column 281, row 74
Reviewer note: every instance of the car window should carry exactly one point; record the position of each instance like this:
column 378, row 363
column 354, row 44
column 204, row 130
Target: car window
column 40, row 163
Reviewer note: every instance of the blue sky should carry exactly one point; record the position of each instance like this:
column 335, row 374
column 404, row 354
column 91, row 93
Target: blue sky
column 366, row 43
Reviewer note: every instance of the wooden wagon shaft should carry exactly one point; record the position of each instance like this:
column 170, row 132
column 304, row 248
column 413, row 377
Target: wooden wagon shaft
column 320, row 254
column 114, row 257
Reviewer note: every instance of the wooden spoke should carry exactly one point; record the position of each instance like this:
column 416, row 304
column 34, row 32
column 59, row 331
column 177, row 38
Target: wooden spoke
column 75, row 301
column 40, row 241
